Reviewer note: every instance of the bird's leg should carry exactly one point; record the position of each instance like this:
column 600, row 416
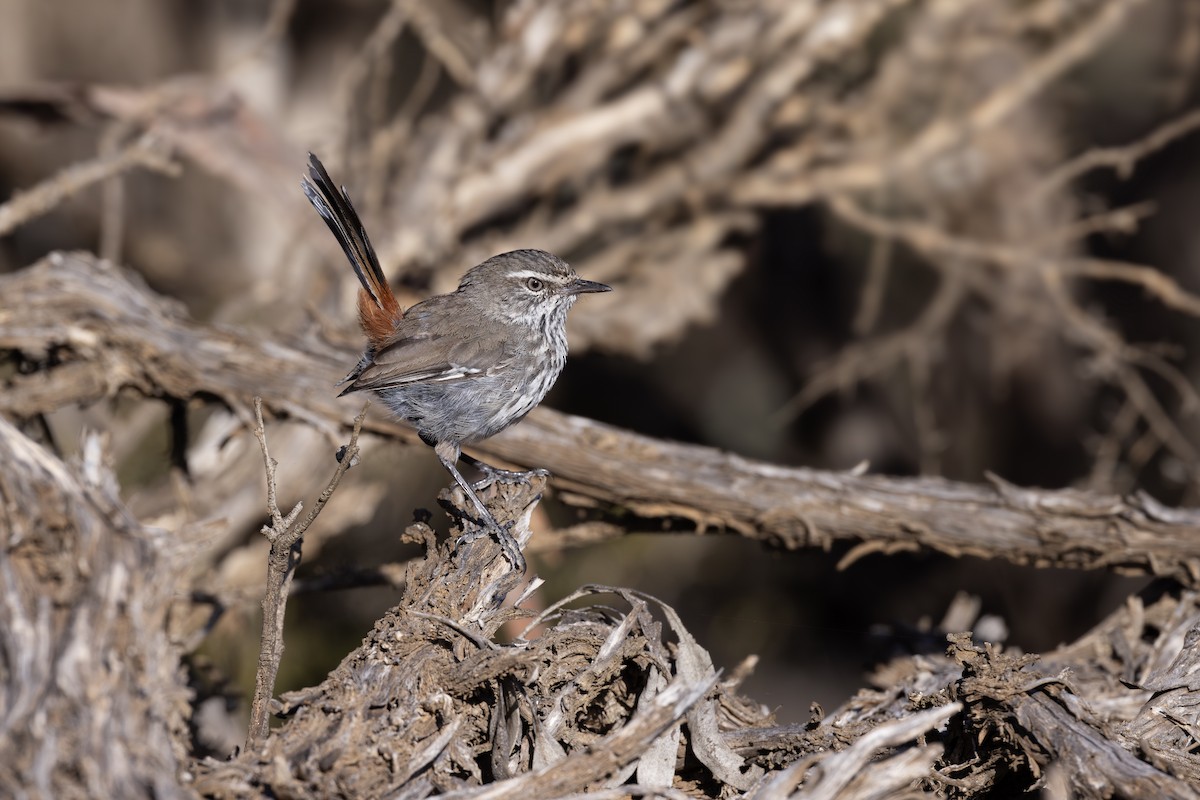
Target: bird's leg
column 448, row 454
column 492, row 474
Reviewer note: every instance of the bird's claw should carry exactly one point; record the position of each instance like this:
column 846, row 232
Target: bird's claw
column 506, row 476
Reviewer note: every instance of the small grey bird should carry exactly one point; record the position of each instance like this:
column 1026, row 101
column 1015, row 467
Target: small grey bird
column 463, row 366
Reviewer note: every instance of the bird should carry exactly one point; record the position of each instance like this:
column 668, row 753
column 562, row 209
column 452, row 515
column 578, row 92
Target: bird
column 463, row 366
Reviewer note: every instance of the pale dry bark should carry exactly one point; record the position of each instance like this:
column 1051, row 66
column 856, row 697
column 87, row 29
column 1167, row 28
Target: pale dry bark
column 93, row 699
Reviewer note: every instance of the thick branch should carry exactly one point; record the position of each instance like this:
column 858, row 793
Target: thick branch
column 122, row 335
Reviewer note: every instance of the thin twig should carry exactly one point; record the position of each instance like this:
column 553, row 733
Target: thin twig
column 432, row 30
column 870, row 300
column 352, row 78
column 870, row 358
column 1122, row 159
column 273, row 30
column 286, row 539
column 934, row 241
column 387, row 143
column 112, row 208
column 1185, row 54
column 33, row 202
column 774, row 185
column 1118, row 360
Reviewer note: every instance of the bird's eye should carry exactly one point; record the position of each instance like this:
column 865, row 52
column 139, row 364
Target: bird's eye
column 534, row 284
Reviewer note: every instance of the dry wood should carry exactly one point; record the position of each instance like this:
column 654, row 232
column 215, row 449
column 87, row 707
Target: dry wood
column 444, row 695
column 92, row 699
column 586, row 704
column 554, row 724
column 121, row 336
column 641, row 139
column 286, row 536
column 576, row 706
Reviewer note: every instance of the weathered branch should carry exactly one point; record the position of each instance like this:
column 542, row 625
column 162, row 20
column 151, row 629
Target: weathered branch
column 92, row 700
column 121, row 335
column 594, row 699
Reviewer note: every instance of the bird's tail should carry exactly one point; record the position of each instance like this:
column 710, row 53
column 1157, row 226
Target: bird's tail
column 378, row 311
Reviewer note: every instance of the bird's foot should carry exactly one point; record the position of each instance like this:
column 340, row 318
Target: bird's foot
column 487, row 524
column 496, row 475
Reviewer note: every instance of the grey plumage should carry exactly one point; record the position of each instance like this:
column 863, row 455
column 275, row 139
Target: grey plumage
column 463, row 366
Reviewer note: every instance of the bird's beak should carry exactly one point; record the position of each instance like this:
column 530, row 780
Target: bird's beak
column 580, row 286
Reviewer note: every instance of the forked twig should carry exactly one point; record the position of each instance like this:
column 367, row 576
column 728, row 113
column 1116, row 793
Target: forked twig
column 286, row 537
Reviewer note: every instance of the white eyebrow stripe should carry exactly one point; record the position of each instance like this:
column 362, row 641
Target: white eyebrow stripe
column 530, row 273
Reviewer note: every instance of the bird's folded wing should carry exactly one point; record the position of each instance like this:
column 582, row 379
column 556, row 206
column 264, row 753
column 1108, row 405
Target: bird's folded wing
column 424, row 358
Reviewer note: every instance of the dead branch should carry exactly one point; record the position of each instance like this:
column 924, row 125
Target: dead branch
column 1117, row 361
column 1074, row 711
column 124, row 337
column 850, row 772
column 1121, row 159
column 934, row 241
column 553, row 715
column 728, row 110
column 286, row 538
column 725, row 105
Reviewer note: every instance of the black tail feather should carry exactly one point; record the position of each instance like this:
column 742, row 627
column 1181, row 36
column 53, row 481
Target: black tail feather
column 335, row 208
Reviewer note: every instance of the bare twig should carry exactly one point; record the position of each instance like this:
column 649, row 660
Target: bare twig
column 839, row 770
column 873, row 357
column 992, row 110
column 1124, row 158
column 1118, row 362
column 286, row 538
column 1185, row 55
column 112, row 213
column 931, row 240
column 388, row 142
column 40, row 199
column 351, row 81
column 871, row 297
column 444, row 30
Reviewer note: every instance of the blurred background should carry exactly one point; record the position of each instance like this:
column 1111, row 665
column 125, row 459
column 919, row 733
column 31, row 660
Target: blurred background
column 942, row 237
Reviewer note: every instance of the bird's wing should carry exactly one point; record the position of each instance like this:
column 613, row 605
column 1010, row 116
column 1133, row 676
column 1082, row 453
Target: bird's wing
column 430, row 348
column 422, row 359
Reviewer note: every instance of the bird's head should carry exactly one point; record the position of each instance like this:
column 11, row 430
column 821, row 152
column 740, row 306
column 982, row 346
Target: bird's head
column 530, row 286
